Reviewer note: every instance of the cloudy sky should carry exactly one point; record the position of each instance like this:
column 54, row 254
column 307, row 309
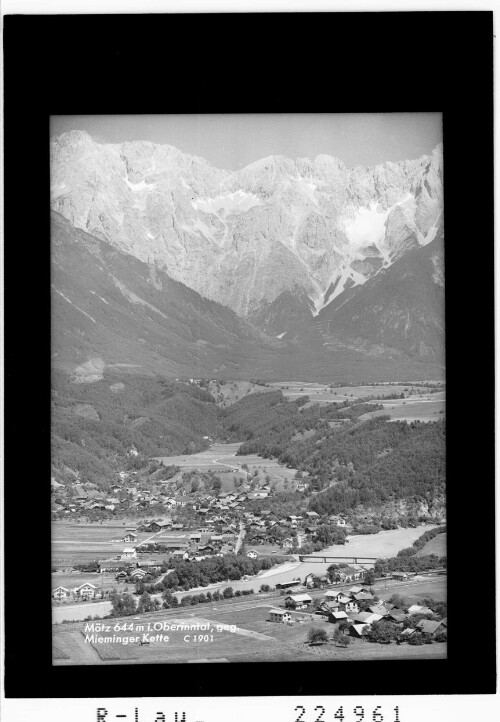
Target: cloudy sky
column 233, row 141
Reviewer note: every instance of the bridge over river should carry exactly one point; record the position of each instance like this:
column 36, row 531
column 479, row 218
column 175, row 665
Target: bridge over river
column 326, row 559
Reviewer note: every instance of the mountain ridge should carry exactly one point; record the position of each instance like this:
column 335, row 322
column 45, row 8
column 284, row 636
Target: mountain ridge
column 242, row 237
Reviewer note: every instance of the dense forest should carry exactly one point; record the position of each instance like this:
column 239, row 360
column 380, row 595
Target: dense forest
column 388, row 462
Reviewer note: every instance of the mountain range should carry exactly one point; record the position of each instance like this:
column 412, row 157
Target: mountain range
column 285, row 268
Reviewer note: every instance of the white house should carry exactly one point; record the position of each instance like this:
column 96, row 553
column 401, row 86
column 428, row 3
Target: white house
column 138, row 573
column 60, row 593
column 130, row 537
column 180, row 554
column 129, row 553
column 85, row 591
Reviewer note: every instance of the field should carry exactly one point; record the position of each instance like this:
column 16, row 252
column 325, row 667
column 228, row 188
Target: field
column 236, row 631
column 222, row 458
column 322, row 393
column 422, row 408
column 414, row 590
column 80, row 543
column 229, row 392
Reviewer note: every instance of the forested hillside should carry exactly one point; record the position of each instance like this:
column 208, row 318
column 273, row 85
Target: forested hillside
column 389, row 461
column 96, row 427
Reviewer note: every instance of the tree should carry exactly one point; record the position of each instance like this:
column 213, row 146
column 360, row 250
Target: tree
column 264, row 588
column 317, row 636
column 228, row 593
column 344, row 626
column 416, row 639
column 382, row 632
column 169, row 600
column 340, row 639
column 146, row 604
column 123, row 605
column 369, row 577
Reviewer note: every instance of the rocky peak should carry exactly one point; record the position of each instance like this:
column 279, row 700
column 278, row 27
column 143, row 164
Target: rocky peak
column 242, row 238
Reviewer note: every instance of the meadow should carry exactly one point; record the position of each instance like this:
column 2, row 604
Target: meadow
column 434, row 546
column 322, row 393
column 415, row 409
column 222, row 458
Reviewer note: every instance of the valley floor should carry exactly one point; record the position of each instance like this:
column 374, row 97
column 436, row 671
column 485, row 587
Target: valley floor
column 236, row 631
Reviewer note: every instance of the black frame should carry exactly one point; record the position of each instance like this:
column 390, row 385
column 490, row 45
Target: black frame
column 425, row 61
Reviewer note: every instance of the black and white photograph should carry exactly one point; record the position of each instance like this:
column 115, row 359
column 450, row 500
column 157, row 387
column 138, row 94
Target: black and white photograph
column 248, row 458
column 249, row 366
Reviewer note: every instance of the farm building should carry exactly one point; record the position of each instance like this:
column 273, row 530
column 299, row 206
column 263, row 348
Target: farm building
column 60, row 593
column 182, row 554
column 367, row 618
column 399, row 575
column 326, row 608
column 349, row 574
column 380, row 609
column 288, row 585
column 363, row 597
column 337, row 617
column 280, row 616
column 129, row 553
column 151, row 564
column 396, row 615
column 427, row 626
column 313, row 580
column 358, row 630
column 298, row 601
column 130, row 537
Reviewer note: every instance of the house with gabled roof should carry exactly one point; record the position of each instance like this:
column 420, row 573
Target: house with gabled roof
column 428, row 626
column 85, row 591
column 60, row 593
column 367, row 618
column 397, row 616
column 298, row 601
column 282, row 616
column 363, row 597
column 358, row 630
column 417, row 609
